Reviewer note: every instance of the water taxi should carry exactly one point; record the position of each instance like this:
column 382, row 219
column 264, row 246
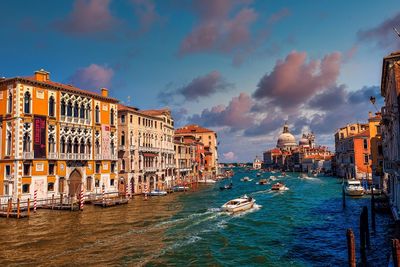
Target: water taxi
column 180, row 188
column 227, row 186
column 263, row 182
column 279, row 187
column 239, row 204
column 354, row 188
column 272, row 178
column 158, row 193
column 245, row 179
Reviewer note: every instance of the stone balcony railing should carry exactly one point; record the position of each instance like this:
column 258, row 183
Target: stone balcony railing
column 8, row 178
column 121, row 148
column 52, row 155
column 27, row 155
column 150, row 169
column 132, row 147
column 149, row 149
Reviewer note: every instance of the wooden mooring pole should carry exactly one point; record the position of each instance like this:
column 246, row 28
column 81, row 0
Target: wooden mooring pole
column 52, row 201
column 351, row 248
column 18, row 211
column 29, row 207
column 373, row 222
column 362, row 240
column 366, row 227
column 9, row 204
column 396, row 252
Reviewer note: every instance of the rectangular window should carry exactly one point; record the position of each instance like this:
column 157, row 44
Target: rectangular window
column 27, row 169
column 97, row 167
column 25, row 188
column 51, row 168
column 112, row 167
column 378, row 129
column 112, row 182
column 50, row 187
column 97, row 183
column 122, row 118
column 131, row 118
column 365, row 144
column 8, row 170
column 138, row 121
column 366, row 158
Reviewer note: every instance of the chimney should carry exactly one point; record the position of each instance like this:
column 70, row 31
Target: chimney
column 42, row 75
column 104, row 92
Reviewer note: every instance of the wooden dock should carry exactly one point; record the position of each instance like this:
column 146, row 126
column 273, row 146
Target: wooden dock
column 110, row 202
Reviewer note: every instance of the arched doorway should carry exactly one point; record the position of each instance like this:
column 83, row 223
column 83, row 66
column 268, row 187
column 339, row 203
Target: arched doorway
column 151, row 182
column 121, row 186
column 74, row 183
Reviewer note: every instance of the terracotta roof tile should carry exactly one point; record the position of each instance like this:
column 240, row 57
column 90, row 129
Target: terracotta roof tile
column 193, row 128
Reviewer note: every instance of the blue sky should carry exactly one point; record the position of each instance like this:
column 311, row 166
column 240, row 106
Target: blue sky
column 205, row 59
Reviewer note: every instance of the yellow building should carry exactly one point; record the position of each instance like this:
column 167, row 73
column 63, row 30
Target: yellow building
column 55, row 138
column 376, row 148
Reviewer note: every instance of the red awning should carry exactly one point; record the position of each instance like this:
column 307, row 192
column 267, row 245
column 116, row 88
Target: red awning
column 150, row 154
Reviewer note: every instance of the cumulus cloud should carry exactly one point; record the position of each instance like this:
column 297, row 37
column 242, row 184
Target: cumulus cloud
column 88, row 16
column 294, row 80
column 329, row 99
column 229, row 156
column 236, row 115
column 93, row 76
column 382, row 35
column 199, row 87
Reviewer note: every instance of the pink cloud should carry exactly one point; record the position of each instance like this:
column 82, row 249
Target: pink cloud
column 88, row 16
column 230, row 156
column 294, row 79
column 93, row 76
column 146, row 12
column 279, row 15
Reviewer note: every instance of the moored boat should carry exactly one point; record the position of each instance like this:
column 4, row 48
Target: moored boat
column 263, row 182
column 158, row 193
column 239, row 204
column 354, row 188
column 245, row 179
column 180, row 188
column 226, row 187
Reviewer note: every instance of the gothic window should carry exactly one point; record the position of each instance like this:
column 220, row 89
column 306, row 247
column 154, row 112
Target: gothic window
column 27, row 103
column 62, row 107
column 26, row 143
column 51, row 144
column 76, row 110
column 88, row 148
column 76, row 145
column 123, row 165
column 52, row 107
column 112, row 116
column 88, row 112
column 112, row 148
column 62, row 145
column 122, row 138
column 69, row 146
column 97, row 115
column 97, row 146
column 8, row 143
column 10, row 102
column 82, row 148
column 69, row 108
column 82, row 112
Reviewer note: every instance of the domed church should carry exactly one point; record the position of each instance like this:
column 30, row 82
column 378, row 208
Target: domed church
column 286, row 141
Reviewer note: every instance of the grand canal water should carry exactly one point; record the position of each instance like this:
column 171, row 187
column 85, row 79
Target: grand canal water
column 304, row 226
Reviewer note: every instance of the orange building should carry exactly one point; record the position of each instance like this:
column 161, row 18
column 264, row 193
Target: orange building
column 55, row 138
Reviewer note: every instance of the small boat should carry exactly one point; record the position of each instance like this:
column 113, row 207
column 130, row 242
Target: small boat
column 239, row 204
column 272, row 178
column 245, row 179
column 158, row 193
column 303, row 176
column 279, row 187
column 354, row 188
column 227, row 186
column 263, row 182
column 258, row 174
column 180, row 188
column 207, row 181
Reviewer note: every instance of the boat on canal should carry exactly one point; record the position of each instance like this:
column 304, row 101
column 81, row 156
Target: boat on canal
column 239, row 204
column 180, row 188
column 207, row 181
column 263, row 181
column 279, row 187
column 354, row 188
column 158, row 193
column 226, row 187
column 246, row 179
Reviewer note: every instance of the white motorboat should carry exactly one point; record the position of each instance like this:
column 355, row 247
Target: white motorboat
column 239, row 204
column 180, row 188
column 279, row 187
column 158, row 193
column 354, row 188
column 246, row 179
column 272, row 178
column 207, row 181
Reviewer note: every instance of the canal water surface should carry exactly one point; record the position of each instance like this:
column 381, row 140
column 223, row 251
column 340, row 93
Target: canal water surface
column 304, row 226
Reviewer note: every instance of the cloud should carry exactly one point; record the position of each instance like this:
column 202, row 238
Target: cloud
column 269, row 124
column 235, row 116
column 383, row 34
column 88, row 16
column 274, row 18
column 329, row 99
column 199, row 87
column 229, row 156
column 145, row 11
column 93, row 76
column 294, row 80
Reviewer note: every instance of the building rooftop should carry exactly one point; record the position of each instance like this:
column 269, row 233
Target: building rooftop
column 156, row 112
column 193, row 128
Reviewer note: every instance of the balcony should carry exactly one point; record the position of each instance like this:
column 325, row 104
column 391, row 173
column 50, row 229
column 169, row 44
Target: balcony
column 52, row 155
column 63, row 156
column 121, row 148
column 27, row 155
column 132, row 147
column 98, row 157
column 150, row 169
column 149, row 149
column 8, row 178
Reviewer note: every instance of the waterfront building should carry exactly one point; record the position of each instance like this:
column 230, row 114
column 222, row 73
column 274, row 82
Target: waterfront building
column 348, row 147
column 146, row 149
column 257, row 163
column 374, row 125
column 390, row 88
column 56, row 138
column 185, row 159
column 210, row 142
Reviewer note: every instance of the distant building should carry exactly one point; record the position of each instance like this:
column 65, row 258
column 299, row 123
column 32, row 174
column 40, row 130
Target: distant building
column 257, row 163
column 376, row 151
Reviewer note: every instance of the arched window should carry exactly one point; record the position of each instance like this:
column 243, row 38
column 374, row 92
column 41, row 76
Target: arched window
column 112, row 146
column 82, row 112
column 8, row 143
column 123, row 165
column 69, row 108
column 52, row 107
column 27, row 103
column 112, row 116
column 97, row 146
column 131, row 138
column 51, row 144
column 82, row 148
column 69, row 146
column 10, row 102
column 97, row 115
column 88, row 112
column 26, row 143
column 88, row 148
column 76, row 145
column 62, row 145
column 122, row 138
column 62, row 107
column 76, row 110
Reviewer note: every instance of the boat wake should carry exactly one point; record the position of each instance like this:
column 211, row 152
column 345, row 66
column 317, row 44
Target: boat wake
column 255, row 208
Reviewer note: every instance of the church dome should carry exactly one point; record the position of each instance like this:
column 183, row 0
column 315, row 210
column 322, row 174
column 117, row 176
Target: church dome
column 304, row 142
column 286, row 140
